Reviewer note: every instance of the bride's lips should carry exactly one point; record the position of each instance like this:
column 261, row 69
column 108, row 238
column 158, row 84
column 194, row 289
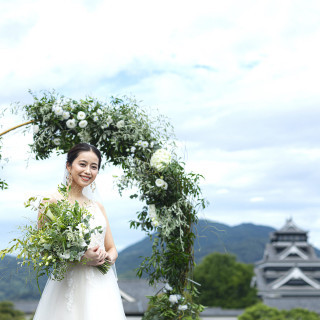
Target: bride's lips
column 85, row 178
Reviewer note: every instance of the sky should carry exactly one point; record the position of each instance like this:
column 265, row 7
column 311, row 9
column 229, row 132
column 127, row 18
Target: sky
column 238, row 80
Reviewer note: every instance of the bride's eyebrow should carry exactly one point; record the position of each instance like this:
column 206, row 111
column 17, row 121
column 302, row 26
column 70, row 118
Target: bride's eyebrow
column 87, row 162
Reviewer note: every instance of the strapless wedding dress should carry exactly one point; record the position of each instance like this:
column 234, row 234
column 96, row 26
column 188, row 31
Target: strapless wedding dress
column 84, row 293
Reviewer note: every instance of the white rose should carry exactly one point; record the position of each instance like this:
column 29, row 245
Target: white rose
column 83, row 123
column 168, row 287
column 58, row 111
column 99, row 111
column 183, row 307
column 152, row 211
column 95, row 118
column 71, row 123
column 155, row 222
column 160, row 159
column 173, row 298
column 161, row 184
column 144, row 144
column 81, row 115
column 56, row 141
column 66, row 115
column 120, row 124
column 35, row 129
column 133, row 149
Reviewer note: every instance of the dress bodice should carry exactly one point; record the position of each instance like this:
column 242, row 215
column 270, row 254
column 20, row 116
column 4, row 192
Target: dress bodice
column 97, row 219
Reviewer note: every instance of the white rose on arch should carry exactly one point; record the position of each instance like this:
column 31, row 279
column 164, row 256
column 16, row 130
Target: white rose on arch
column 152, row 211
column 81, row 115
column 173, row 298
column 160, row 159
column 56, row 141
column 161, row 184
column 71, row 123
column 35, row 129
column 83, row 123
column 120, row 124
column 65, row 115
column 58, row 111
column 183, row 307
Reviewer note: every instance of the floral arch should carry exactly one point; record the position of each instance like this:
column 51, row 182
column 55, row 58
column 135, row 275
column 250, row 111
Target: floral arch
column 143, row 146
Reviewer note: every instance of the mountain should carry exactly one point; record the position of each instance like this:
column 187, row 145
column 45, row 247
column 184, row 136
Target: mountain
column 247, row 241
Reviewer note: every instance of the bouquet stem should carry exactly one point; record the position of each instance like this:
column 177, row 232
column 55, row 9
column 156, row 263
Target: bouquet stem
column 104, row 268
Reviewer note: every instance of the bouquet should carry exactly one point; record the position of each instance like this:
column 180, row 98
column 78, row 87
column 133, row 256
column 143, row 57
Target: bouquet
column 61, row 239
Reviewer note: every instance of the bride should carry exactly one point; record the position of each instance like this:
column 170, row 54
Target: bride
column 84, row 293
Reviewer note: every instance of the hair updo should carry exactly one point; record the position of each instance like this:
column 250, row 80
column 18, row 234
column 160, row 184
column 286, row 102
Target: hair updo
column 82, row 147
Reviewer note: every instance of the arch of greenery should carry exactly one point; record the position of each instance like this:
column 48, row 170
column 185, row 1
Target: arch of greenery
column 143, row 146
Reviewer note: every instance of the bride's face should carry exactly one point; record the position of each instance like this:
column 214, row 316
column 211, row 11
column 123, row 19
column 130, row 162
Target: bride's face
column 84, row 168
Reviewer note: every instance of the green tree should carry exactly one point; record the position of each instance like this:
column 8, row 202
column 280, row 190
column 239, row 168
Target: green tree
column 263, row 312
column 7, row 312
column 225, row 282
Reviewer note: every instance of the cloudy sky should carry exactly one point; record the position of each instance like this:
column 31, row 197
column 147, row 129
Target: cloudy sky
column 239, row 81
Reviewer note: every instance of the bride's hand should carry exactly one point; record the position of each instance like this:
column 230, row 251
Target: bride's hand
column 95, row 256
column 111, row 258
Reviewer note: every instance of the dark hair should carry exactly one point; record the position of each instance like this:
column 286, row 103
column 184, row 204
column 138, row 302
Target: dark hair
column 81, row 147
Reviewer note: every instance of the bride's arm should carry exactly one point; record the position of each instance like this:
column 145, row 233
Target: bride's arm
column 109, row 245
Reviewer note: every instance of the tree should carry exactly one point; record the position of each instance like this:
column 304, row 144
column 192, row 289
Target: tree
column 263, row 312
column 225, row 282
column 7, row 312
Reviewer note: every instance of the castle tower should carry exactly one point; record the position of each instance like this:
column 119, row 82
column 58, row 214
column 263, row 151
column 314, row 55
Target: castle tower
column 288, row 276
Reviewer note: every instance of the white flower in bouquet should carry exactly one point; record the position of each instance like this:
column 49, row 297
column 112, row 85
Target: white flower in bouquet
column 83, row 123
column 65, row 115
column 56, row 141
column 35, row 129
column 65, row 255
column 105, row 126
column 151, row 144
column 160, row 159
column 71, row 123
column 95, row 118
column 109, row 119
column 182, row 307
column 161, row 184
column 58, row 111
column 133, row 149
column 173, row 298
column 168, row 287
column 120, row 124
column 81, row 115
column 139, row 143
column 99, row 111
column 144, row 144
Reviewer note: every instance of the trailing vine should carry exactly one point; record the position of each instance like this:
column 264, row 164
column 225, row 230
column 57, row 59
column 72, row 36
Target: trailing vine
column 143, row 147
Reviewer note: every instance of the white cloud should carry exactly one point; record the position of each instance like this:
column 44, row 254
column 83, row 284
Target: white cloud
column 241, row 92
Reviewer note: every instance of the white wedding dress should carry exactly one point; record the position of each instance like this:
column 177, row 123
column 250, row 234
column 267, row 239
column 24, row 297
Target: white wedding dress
column 84, row 293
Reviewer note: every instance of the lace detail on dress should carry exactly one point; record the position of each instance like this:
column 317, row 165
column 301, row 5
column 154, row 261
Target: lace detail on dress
column 70, row 291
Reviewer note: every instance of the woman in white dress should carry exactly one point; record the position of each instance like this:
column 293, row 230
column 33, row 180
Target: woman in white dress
column 85, row 293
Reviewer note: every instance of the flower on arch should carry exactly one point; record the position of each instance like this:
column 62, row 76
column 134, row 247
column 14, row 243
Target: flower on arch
column 71, row 123
column 161, row 184
column 35, row 129
column 160, row 159
column 83, row 123
column 56, row 141
column 65, row 115
column 120, row 124
column 81, row 115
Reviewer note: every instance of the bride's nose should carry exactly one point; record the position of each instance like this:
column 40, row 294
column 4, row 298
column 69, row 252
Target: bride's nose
column 88, row 170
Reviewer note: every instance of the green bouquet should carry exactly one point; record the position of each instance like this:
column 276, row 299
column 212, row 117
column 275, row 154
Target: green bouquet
column 61, row 239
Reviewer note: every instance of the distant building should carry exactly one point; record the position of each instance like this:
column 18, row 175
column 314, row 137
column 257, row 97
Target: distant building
column 288, row 276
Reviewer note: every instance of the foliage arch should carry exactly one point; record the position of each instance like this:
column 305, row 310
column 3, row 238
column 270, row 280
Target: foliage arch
column 143, row 146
